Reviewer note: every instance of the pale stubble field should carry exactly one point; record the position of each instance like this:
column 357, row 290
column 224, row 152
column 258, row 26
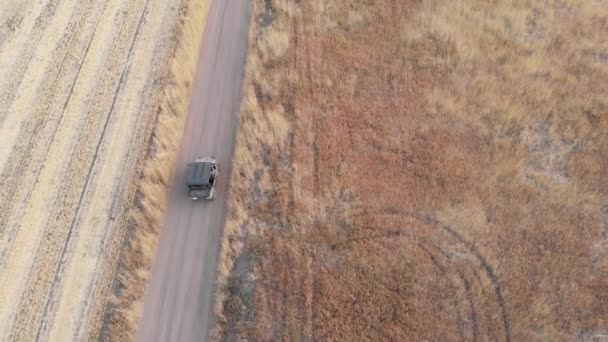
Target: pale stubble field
column 89, row 100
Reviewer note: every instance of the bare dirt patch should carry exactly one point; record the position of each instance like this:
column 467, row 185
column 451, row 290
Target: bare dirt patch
column 414, row 170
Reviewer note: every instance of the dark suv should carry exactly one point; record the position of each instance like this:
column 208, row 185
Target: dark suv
column 201, row 177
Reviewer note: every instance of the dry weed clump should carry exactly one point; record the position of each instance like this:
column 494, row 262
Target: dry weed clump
column 124, row 310
column 412, row 170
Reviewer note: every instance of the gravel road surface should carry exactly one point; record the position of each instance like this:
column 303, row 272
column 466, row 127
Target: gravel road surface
column 179, row 299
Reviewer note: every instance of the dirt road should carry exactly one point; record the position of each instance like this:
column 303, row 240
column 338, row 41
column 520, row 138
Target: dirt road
column 178, row 300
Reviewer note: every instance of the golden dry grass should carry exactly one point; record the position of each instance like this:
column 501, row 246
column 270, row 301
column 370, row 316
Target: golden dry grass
column 91, row 109
column 410, row 170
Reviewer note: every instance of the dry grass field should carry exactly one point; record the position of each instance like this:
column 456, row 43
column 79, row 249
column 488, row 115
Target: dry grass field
column 91, row 110
column 420, row 170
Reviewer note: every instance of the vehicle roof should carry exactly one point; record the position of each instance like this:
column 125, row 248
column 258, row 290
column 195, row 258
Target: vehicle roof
column 199, row 173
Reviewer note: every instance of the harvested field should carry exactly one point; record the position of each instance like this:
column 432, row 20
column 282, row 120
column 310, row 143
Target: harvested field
column 420, row 170
column 91, row 110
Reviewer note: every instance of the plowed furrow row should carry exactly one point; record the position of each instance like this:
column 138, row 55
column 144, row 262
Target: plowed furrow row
column 70, row 192
column 96, row 208
column 18, row 175
column 82, row 84
column 12, row 13
column 19, row 178
column 31, row 55
column 112, row 240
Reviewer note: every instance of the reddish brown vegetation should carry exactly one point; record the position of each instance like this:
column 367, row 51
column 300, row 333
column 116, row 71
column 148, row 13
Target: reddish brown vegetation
column 441, row 175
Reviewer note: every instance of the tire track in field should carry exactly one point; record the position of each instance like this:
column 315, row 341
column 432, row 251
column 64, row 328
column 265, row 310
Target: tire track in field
column 28, row 155
column 11, row 18
column 126, row 220
column 50, row 159
column 308, row 127
column 464, row 283
column 450, row 240
column 426, row 247
column 316, row 117
column 456, row 278
column 490, row 273
column 465, row 278
column 99, row 295
column 44, row 183
column 80, row 166
column 16, row 65
column 44, row 325
column 18, row 256
column 95, row 210
column 43, row 117
column 23, row 24
column 479, row 269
